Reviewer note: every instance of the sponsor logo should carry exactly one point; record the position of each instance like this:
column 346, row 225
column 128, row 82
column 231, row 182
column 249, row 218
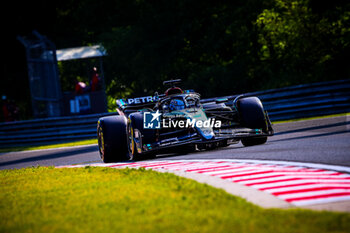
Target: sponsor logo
column 212, row 123
column 151, row 120
column 142, row 100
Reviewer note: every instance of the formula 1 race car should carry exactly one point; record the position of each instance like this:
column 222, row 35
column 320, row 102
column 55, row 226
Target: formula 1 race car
column 178, row 121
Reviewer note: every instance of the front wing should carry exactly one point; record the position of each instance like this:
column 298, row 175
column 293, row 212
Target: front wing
column 221, row 135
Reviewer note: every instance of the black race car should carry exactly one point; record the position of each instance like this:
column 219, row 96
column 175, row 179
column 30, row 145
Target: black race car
column 177, row 121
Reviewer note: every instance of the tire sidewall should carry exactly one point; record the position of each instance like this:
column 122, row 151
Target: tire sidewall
column 113, row 145
column 252, row 114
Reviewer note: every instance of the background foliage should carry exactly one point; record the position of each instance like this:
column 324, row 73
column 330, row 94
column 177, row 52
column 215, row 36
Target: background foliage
column 216, row 47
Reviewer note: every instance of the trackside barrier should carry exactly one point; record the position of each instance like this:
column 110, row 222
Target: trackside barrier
column 48, row 131
column 282, row 104
column 300, row 101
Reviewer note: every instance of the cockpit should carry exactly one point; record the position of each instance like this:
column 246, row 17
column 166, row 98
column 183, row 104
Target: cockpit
column 180, row 103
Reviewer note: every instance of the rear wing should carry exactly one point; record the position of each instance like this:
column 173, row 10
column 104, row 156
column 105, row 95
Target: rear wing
column 172, row 82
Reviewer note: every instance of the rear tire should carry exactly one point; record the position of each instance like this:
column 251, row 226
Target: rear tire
column 112, row 142
column 253, row 141
column 252, row 116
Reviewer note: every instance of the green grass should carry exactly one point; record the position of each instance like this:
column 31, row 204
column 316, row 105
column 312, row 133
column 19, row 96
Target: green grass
column 312, row 118
column 129, row 200
column 51, row 146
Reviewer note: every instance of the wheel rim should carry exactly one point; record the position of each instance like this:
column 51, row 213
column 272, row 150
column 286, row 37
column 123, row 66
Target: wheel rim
column 101, row 143
column 131, row 143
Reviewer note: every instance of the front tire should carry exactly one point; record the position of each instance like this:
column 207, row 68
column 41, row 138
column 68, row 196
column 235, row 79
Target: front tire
column 252, row 116
column 112, row 142
column 137, row 136
column 132, row 148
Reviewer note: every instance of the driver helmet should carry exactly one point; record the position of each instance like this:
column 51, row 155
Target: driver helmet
column 176, row 104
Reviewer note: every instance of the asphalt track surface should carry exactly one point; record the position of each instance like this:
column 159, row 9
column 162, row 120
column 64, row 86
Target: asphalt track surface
column 323, row 141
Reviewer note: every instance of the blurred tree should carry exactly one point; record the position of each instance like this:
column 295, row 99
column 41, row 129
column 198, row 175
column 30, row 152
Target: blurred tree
column 299, row 45
column 217, row 47
column 208, row 44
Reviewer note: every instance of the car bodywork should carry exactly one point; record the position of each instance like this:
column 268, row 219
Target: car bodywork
column 223, row 122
